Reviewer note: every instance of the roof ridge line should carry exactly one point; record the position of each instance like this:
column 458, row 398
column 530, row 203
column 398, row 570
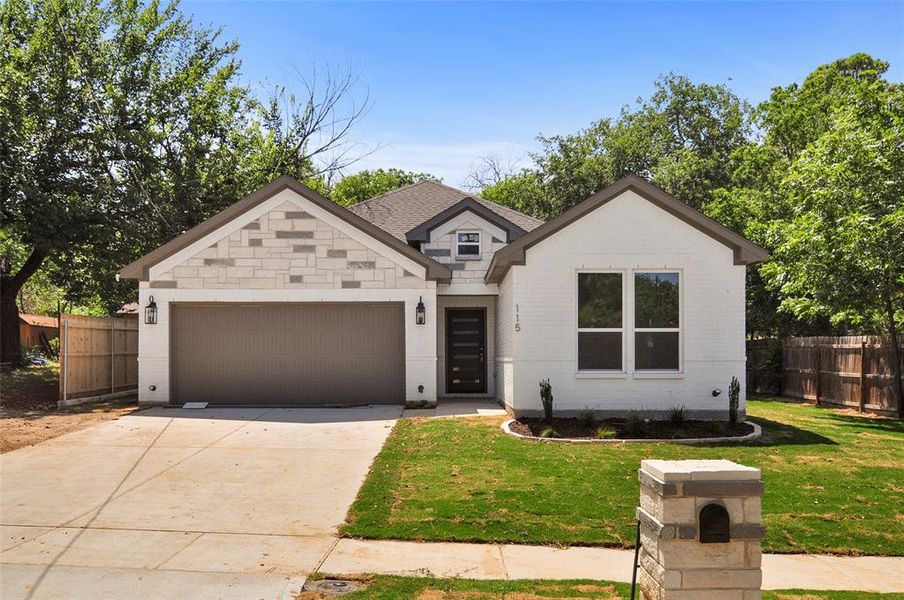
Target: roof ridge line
column 465, row 194
column 404, row 187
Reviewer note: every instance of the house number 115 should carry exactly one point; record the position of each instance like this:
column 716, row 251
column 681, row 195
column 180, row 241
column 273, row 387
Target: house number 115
column 517, row 319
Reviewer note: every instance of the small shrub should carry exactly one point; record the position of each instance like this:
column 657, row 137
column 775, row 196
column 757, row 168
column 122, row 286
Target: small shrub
column 546, row 398
column 587, row 418
column 605, row 433
column 549, row 432
column 677, row 416
column 734, row 400
column 634, row 424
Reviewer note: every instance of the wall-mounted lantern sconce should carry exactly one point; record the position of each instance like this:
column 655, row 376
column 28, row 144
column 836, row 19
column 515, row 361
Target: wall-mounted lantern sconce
column 150, row 312
column 421, row 312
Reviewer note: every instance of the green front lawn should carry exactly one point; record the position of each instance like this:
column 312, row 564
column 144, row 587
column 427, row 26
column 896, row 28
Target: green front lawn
column 834, row 483
column 386, row 587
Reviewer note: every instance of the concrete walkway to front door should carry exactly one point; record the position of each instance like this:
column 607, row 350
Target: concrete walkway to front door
column 169, row 503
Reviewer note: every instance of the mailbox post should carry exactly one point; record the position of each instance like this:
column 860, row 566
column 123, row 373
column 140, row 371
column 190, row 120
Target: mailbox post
column 700, row 530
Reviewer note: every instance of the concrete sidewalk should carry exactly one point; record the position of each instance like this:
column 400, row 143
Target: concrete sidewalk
column 508, row 561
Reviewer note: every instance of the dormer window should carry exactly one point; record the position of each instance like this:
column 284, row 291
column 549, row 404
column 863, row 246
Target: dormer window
column 468, row 244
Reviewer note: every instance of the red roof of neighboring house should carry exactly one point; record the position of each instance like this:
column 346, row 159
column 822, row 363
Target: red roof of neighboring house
column 39, row 320
column 131, row 308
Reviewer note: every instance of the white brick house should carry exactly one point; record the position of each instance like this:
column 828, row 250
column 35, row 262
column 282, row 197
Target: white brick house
column 630, row 300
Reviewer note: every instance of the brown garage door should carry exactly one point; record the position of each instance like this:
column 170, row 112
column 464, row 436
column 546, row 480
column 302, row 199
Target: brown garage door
column 288, row 354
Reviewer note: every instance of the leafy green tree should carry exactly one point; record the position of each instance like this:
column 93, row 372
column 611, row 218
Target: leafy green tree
column 573, row 167
column 116, row 120
column 50, row 150
column 795, row 115
column 522, row 192
column 360, row 186
column 124, row 125
column 840, row 254
column 759, row 199
column 680, row 138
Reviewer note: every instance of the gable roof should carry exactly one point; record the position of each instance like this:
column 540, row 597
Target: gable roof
column 745, row 251
column 39, row 320
column 399, row 211
column 421, row 233
column 140, row 268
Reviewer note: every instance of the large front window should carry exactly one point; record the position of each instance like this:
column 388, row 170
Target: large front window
column 656, row 322
column 600, row 322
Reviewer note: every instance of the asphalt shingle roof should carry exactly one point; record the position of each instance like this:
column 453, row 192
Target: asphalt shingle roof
column 402, row 210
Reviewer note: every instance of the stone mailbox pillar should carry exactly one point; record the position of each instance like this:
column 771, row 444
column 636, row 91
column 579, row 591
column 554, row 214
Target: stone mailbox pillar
column 700, row 530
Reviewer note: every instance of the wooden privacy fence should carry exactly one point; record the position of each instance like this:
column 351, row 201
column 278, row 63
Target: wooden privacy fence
column 98, row 357
column 851, row 371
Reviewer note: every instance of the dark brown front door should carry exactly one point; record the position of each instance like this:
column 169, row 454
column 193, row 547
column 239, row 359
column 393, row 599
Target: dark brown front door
column 466, row 362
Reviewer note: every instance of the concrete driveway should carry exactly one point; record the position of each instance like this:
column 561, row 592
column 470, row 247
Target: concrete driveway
column 168, row 503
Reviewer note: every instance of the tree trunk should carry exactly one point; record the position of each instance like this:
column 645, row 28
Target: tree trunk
column 9, row 309
column 892, row 328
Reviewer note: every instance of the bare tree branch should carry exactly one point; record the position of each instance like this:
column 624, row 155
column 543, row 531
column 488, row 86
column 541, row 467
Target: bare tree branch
column 489, row 170
column 313, row 123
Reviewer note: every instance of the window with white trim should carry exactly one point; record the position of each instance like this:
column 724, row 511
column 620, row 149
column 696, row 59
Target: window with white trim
column 657, row 333
column 468, row 244
column 600, row 321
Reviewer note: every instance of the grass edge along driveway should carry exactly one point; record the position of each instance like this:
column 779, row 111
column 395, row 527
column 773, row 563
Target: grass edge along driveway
column 833, row 483
column 386, row 587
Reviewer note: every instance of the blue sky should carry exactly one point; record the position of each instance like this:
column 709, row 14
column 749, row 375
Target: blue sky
column 450, row 82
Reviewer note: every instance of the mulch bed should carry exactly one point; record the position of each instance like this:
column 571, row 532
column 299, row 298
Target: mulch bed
column 654, row 430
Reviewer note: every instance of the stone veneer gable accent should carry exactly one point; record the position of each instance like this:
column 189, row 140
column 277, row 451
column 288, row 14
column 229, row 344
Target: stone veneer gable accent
column 268, row 255
column 469, row 271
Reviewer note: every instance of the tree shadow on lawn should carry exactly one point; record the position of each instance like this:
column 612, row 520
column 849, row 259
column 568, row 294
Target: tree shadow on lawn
column 783, row 434
column 770, row 399
column 883, row 424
